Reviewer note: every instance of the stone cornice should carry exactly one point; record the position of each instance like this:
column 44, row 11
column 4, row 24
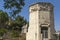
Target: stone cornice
column 42, row 3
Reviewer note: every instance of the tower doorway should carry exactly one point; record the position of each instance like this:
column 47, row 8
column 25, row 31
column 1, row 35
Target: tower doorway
column 44, row 32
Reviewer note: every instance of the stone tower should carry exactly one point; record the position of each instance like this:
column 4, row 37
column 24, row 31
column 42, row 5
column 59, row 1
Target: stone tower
column 41, row 22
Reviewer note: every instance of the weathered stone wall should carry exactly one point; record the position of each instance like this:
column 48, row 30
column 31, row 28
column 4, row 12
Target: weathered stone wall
column 41, row 15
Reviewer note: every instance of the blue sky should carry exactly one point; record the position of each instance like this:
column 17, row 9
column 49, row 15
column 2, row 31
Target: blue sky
column 25, row 11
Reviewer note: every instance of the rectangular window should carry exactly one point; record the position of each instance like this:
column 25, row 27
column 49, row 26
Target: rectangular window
column 44, row 31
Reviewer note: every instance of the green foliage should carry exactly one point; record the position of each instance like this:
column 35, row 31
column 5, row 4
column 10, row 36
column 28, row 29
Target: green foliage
column 3, row 17
column 14, row 33
column 20, row 20
column 3, row 22
column 14, row 5
column 2, row 31
column 11, row 25
column 18, row 23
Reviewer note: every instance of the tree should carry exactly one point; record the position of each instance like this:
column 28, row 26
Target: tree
column 14, row 5
column 3, row 18
column 18, row 23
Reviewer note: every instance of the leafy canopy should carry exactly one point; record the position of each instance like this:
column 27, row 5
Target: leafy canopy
column 2, row 31
column 18, row 23
column 14, row 5
column 3, row 17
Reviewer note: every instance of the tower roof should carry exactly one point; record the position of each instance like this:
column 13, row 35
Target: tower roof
column 41, row 3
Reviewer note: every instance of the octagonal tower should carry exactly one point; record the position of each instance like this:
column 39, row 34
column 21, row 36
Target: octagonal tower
column 41, row 21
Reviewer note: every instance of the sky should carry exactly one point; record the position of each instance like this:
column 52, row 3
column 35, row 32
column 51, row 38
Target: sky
column 25, row 10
